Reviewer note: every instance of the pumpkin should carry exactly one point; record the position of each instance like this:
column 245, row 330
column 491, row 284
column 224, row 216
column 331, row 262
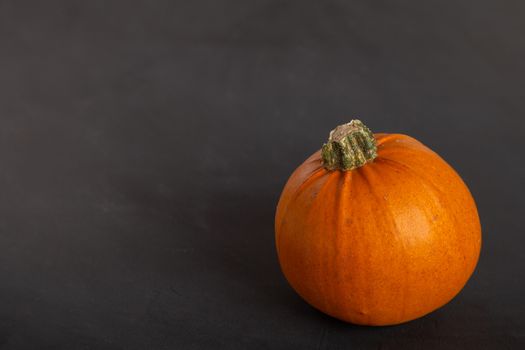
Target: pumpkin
column 376, row 229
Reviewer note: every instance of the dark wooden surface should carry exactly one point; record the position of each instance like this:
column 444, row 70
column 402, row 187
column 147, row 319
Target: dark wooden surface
column 144, row 146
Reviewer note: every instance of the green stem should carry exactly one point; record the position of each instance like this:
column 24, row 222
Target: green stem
column 349, row 146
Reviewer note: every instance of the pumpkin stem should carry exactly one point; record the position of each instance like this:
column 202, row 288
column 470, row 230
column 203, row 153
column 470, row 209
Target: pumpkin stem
column 349, row 146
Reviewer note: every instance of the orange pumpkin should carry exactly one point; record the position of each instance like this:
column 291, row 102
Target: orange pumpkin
column 376, row 229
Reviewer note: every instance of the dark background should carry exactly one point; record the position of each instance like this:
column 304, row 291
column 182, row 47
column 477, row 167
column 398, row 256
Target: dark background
column 144, row 146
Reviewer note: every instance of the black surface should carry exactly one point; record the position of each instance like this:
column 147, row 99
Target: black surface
column 144, row 146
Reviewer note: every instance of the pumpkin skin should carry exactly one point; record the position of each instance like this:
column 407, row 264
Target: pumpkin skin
column 382, row 244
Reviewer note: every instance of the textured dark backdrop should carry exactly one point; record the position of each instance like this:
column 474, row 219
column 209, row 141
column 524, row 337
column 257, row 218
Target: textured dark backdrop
column 144, row 146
